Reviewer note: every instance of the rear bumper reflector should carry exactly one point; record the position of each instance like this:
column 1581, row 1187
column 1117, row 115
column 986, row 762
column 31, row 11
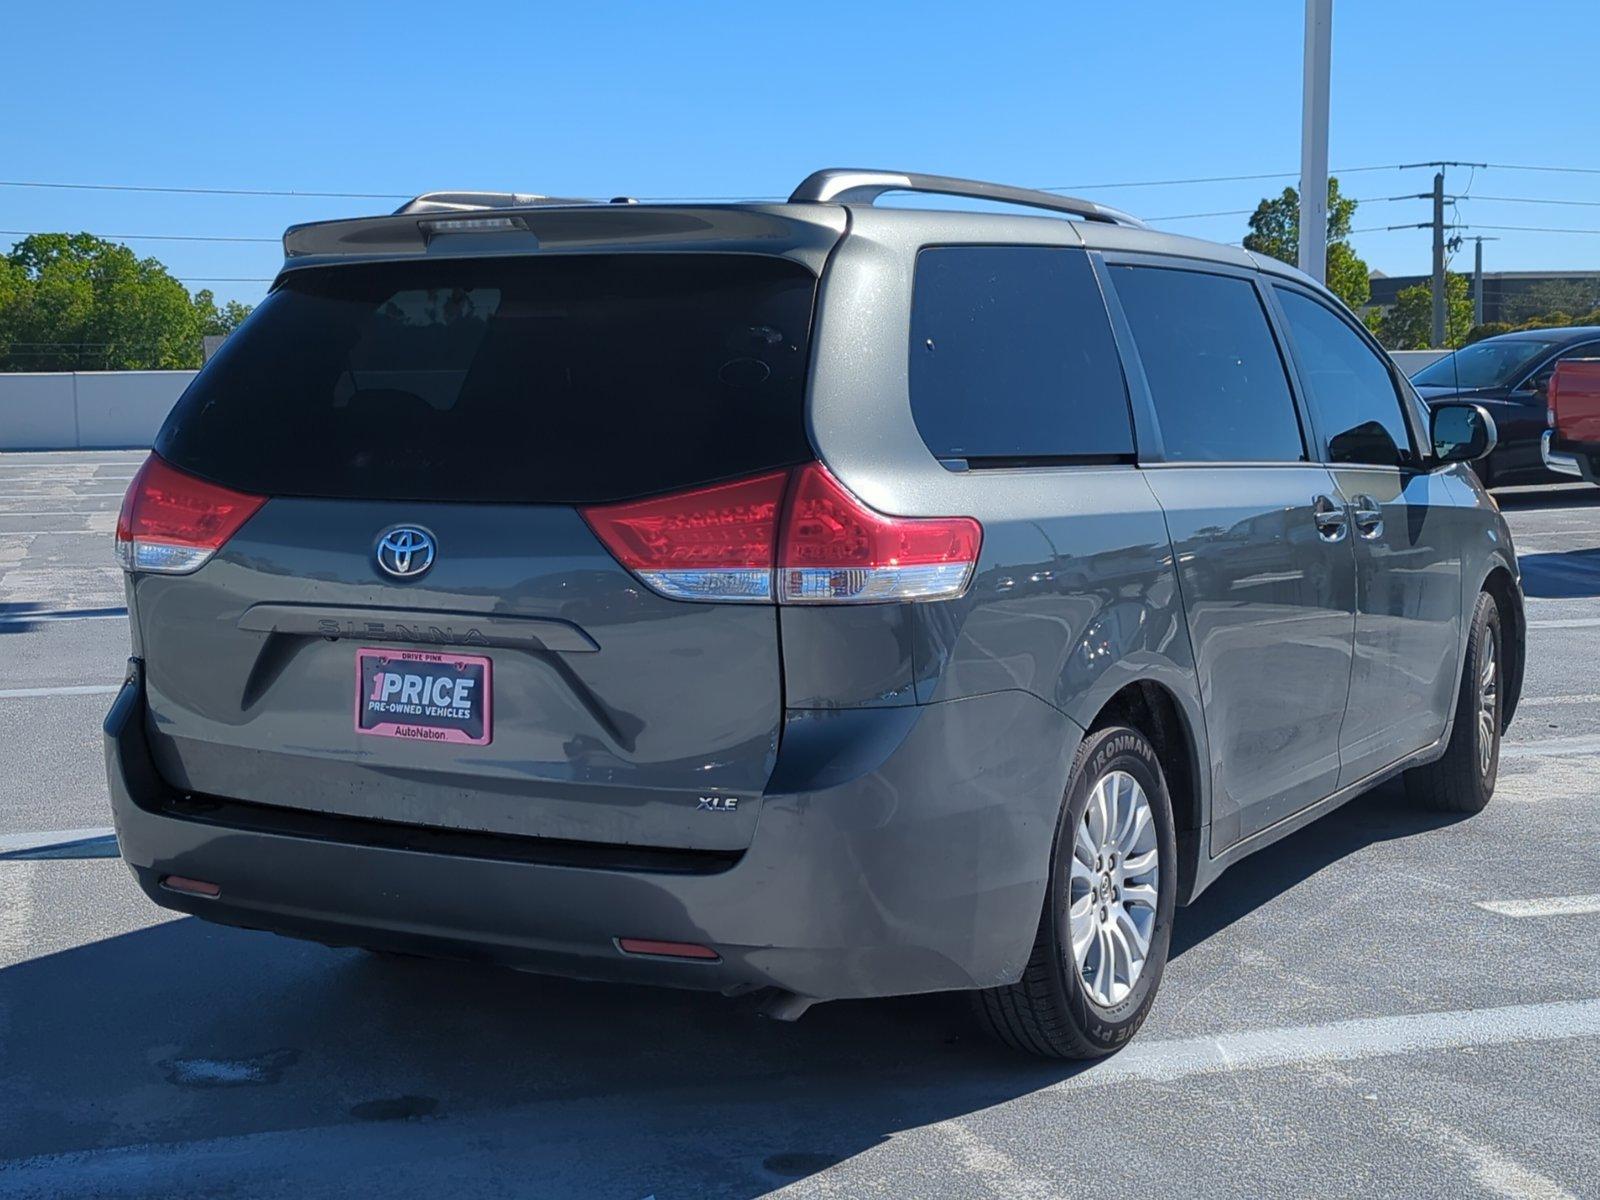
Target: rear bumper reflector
column 191, row 887
column 667, row 949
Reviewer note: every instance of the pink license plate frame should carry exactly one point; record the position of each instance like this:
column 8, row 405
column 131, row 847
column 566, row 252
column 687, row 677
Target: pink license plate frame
column 430, row 666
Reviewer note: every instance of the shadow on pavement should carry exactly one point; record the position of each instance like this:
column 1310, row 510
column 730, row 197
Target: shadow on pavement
column 186, row 1031
column 1561, row 576
column 1531, row 499
column 24, row 616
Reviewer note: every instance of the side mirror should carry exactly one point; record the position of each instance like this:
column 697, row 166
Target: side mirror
column 1462, row 432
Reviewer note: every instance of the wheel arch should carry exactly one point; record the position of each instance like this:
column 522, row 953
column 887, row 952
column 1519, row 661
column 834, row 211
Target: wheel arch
column 1156, row 711
column 1501, row 585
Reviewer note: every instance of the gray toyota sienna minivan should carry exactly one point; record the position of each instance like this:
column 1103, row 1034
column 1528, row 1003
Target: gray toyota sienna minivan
column 808, row 600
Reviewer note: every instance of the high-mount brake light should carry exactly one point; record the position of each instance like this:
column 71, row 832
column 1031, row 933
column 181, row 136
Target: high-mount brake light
column 475, row 225
column 798, row 537
column 172, row 523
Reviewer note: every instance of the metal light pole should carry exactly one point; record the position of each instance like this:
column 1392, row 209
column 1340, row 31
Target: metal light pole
column 1314, row 141
column 1477, row 279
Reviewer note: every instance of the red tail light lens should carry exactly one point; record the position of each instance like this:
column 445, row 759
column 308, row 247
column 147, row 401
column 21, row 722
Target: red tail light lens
column 801, row 530
column 835, row 549
column 713, row 543
column 171, row 523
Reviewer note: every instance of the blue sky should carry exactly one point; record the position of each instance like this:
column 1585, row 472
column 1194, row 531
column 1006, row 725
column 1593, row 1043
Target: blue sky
column 745, row 99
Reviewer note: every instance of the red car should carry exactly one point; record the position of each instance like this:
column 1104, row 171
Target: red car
column 1571, row 445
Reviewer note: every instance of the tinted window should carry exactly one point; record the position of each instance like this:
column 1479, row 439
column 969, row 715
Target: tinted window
column 1348, row 385
column 1216, row 377
column 1496, row 362
column 561, row 379
column 1012, row 356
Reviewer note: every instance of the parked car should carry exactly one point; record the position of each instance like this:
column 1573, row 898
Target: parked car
column 1510, row 376
column 1571, row 446
column 808, row 600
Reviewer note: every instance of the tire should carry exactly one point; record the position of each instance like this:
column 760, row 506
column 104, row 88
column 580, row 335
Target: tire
column 1053, row 1010
column 1463, row 779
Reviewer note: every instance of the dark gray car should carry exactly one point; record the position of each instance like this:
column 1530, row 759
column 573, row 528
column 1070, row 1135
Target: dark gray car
column 810, row 600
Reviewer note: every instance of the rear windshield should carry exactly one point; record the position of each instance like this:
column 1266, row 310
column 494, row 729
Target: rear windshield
column 544, row 380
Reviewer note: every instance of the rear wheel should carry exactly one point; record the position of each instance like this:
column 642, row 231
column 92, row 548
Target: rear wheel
column 1463, row 779
column 1107, row 922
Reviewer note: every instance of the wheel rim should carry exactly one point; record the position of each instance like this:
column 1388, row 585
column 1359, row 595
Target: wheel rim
column 1488, row 707
column 1114, row 888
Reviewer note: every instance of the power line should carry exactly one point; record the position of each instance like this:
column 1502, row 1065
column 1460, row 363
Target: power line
column 1558, row 170
column 1533, row 200
column 202, row 191
column 298, row 194
column 1229, row 212
column 1528, row 228
column 143, row 237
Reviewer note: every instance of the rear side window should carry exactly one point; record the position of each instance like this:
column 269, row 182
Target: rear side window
column 1216, row 378
column 1012, row 356
column 567, row 379
column 1349, row 386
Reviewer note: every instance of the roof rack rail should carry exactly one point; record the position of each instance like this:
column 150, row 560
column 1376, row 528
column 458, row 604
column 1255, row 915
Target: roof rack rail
column 844, row 185
column 446, row 202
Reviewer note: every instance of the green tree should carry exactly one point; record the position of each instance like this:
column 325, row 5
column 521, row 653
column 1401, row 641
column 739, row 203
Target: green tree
column 78, row 302
column 1275, row 230
column 214, row 320
column 1543, row 302
column 1408, row 324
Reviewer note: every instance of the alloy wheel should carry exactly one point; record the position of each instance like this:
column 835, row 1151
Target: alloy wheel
column 1115, row 883
column 1488, row 706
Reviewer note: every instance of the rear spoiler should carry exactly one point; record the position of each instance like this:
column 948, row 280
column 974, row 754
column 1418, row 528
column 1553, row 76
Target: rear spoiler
column 448, row 225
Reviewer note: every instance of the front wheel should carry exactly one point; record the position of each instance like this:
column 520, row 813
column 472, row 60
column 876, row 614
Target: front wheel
column 1463, row 779
column 1107, row 922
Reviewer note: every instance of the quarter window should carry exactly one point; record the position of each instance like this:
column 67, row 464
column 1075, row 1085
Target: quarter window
column 1349, row 386
column 1216, row 378
column 1012, row 357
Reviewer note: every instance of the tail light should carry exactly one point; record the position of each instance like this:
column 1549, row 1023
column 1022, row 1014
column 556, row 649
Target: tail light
column 171, row 523
column 798, row 537
column 713, row 543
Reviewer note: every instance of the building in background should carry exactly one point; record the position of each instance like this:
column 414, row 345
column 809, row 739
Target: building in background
column 1509, row 296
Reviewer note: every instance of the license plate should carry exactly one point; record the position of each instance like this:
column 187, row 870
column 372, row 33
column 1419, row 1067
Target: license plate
column 423, row 697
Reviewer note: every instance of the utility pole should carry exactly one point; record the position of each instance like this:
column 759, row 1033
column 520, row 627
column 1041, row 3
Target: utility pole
column 1438, row 260
column 1439, row 244
column 1314, row 141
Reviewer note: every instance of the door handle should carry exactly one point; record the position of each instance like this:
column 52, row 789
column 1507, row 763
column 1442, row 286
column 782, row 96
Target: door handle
column 1368, row 514
column 1331, row 519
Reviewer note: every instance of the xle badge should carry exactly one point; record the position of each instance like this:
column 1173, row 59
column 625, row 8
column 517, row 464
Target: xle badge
column 719, row 804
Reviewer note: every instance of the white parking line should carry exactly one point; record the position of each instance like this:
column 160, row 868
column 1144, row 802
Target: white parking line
column 52, row 532
column 66, row 496
column 1548, row 906
column 60, row 512
column 87, row 689
column 1541, row 701
column 1341, row 1041
column 1551, row 748
column 1566, row 623
column 10, row 843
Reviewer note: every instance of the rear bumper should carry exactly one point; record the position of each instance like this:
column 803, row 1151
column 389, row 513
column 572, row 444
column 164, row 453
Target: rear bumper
column 897, row 850
column 1578, row 462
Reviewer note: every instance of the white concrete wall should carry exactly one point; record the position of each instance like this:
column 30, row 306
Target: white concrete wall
column 86, row 410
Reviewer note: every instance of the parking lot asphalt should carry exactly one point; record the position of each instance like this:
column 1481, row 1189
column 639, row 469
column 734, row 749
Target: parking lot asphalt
column 1386, row 1003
